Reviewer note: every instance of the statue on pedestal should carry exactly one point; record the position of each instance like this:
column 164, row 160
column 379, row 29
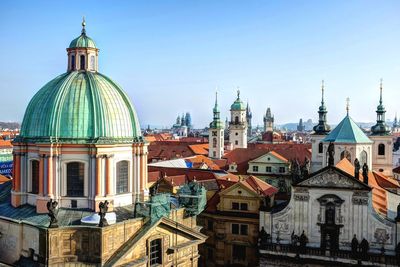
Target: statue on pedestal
column 331, row 154
column 52, row 208
column 357, row 168
column 103, row 208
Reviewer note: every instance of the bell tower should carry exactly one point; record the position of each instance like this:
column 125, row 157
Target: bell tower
column 216, row 134
column 382, row 157
column 238, row 124
column 320, row 131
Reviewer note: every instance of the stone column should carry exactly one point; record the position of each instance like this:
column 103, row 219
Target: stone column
column 109, row 177
column 41, row 175
column 98, row 175
column 50, row 181
column 17, row 173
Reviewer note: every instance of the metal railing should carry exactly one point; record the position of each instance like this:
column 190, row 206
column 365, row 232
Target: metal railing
column 342, row 254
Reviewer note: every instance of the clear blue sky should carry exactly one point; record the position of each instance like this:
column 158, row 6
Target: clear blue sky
column 170, row 55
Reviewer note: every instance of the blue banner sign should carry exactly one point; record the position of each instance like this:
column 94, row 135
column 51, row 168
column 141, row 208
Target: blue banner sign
column 6, row 167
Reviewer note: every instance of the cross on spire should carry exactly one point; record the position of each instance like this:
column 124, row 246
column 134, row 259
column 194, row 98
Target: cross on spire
column 380, row 88
column 323, row 91
column 347, row 105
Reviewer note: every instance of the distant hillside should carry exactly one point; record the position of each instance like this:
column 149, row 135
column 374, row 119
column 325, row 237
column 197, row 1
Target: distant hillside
column 9, row 125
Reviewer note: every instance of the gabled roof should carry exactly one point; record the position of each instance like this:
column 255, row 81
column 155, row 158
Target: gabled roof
column 343, row 180
column 347, row 131
column 273, row 154
column 199, row 149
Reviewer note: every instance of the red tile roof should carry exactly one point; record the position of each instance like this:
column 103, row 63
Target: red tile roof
column 199, row 149
column 197, row 160
column 242, row 156
column 5, row 144
column 258, row 186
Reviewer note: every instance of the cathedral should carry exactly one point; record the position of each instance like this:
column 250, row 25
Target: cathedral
column 79, row 194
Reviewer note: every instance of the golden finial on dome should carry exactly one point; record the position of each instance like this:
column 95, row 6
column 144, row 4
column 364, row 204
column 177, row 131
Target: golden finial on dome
column 83, row 25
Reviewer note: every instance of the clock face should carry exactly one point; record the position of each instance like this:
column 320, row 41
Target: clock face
column 214, row 133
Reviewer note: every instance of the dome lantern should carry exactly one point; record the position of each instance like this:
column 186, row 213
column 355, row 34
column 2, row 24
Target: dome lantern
column 83, row 53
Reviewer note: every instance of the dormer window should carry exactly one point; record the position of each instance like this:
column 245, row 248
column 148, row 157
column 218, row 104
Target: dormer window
column 82, row 61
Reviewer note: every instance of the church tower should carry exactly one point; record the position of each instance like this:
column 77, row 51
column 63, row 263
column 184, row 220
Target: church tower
column 238, row 124
column 383, row 143
column 249, row 116
column 268, row 121
column 216, row 134
column 320, row 131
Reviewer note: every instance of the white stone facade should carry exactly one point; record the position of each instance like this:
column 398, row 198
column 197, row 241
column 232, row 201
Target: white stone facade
column 216, row 143
column 354, row 213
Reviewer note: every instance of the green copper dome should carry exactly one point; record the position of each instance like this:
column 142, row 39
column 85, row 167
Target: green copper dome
column 82, row 41
column 80, row 107
column 238, row 104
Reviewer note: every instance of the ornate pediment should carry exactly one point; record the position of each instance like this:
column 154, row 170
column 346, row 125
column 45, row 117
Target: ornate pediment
column 332, row 178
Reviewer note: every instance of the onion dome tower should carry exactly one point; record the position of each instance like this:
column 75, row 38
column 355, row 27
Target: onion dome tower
column 216, row 134
column 238, row 124
column 383, row 144
column 80, row 140
column 322, row 128
column 320, row 131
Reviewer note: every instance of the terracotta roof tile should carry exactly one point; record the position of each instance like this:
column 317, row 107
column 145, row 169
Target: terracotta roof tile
column 379, row 196
column 199, row 149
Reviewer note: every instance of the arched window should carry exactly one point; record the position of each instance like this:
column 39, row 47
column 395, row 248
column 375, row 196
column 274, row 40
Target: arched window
column 92, row 63
column 381, row 149
column 122, row 177
column 34, row 176
column 364, row 157
column 214, row 142
column 236, row 119
column 155, row 250
column 82, row 62
column 75, row 179
column 330, row 213
column 72, row 62
column 320, row 148
column 345, row 154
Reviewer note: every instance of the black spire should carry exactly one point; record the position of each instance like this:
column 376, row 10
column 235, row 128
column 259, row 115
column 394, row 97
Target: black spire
column 322, row 128
column 380, row 128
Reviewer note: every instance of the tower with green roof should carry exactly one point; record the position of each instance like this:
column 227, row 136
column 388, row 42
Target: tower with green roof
column 80, row 141
column 382, row 156
column 216, row 133
column 320, row 131
column 238, row 124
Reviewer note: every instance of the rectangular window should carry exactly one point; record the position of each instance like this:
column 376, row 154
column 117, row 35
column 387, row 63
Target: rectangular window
column 238, row 252
column 210, row 225
column 155, row 252
column 235, row 228
column 243, row 206
column 236, row 142
column 240, row 229
column 255, row 168
column 244, row 229
column 235, row 205
column 268, row 169
column 281, row 169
